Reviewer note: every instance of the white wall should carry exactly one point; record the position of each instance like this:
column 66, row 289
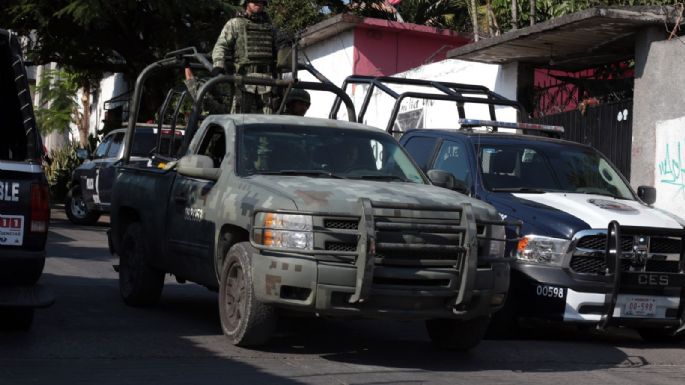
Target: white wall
column 110, row 86
column 669, row 170
column 334, row 58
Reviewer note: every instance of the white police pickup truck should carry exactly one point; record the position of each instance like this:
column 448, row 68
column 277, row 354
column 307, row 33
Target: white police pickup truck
column 24, row 199
column 591, row 250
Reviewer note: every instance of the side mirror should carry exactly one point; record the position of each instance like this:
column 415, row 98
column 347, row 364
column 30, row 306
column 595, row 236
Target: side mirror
column 198, row 166
column 447, row 180
column 647, row 194
column 82, row 153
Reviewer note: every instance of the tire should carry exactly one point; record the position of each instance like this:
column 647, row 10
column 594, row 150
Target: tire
column 140, row 284
column 244, row 320
column 660, row 335
column 76, row 209
column 457, row 335
column 16, row 319
column 504, row 322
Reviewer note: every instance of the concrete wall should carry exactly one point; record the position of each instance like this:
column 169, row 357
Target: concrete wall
column 334, row 58
column 658, row 143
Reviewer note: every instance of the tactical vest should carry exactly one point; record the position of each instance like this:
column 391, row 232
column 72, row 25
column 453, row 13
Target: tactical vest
column 254, row 48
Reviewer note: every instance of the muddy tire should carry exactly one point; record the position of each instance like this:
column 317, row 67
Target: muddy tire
column 140, row 284
column 457, row 335
column 16, row 319
column 76, row 209
column 244, row 320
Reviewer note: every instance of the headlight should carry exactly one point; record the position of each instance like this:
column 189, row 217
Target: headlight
column 542, row 250
column 287, row 231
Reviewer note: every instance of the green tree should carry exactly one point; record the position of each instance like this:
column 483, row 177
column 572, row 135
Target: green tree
column 58, row 105
column 542, row 10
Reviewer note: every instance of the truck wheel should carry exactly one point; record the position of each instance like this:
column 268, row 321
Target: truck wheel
column 504, row 322
column 77, row 211
column 139, row 284
column 660, row 335
column 16, row 319
column 452, row 334
column 246, row 321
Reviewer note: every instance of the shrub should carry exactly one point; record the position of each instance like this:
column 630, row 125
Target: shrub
column 63, row 161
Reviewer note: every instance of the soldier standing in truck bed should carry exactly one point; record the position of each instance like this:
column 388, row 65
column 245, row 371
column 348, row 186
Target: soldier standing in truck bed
column 246, row 47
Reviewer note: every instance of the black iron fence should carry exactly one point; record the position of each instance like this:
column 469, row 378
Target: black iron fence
column 606, row 127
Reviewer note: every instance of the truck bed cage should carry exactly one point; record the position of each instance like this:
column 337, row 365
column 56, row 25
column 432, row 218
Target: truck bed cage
column 190, row 58
column 461, row 94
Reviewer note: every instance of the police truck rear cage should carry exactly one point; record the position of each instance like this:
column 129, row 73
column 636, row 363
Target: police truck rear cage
column 619, row 280
column 191, row 58
column 461, row 94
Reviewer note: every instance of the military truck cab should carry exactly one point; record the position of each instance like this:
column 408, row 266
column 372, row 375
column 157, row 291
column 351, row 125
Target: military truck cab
column 315, row 216
column 24, row 198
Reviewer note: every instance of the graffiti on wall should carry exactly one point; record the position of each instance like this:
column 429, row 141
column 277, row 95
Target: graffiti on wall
column 669, row 170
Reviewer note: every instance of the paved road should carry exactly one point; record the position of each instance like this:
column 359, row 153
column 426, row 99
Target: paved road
column 90, row 337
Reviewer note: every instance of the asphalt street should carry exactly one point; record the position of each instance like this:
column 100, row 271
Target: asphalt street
column 90, row 337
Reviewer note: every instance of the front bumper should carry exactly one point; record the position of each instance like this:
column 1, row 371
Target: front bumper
column 558, row 294
column 312, row 286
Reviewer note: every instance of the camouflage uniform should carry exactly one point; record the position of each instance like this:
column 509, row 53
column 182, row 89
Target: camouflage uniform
column 246, row 47
column 216, row 101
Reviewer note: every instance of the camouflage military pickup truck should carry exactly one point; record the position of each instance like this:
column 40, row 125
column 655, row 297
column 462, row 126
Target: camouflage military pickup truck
column 310, row 215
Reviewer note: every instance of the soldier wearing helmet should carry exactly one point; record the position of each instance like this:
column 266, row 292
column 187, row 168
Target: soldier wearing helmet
column 297, row 102
column 246, row 46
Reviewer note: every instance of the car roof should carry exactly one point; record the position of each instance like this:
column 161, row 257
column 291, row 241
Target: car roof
column 495, row 137
column 249, row 119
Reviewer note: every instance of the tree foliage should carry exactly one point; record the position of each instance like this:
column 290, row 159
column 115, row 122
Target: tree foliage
column 115, row 35
column 549, row 9
column 59, row 107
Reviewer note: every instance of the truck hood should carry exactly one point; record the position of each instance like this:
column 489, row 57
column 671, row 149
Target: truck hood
column 563, row 214
column 342, row 195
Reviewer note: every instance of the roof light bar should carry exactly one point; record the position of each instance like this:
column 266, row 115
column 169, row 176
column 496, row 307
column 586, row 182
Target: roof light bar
column 520, row 126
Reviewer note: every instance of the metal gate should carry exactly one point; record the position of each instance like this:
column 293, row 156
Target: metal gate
column 607, row 127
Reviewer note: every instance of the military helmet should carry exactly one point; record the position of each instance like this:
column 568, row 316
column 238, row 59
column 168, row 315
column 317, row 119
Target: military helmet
column 298, row 94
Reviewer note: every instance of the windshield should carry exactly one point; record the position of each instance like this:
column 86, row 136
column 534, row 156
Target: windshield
column 533, row 168
column 324, row 152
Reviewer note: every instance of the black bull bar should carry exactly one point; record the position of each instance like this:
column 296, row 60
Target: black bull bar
column 627, row 280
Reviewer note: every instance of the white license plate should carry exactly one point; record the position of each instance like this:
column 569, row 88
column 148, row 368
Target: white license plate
column 640, row 307
column 11, row 230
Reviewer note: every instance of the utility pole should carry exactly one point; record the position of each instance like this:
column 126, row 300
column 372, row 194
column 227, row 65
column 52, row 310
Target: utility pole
column 532, row 12
column 514, row 15
column 474, row 20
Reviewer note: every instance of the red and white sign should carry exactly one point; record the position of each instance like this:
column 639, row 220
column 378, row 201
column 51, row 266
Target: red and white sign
column 11, row 230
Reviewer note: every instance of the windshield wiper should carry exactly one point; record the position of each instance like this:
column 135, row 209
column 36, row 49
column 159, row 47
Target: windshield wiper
column 380, row 177
column 312, row 173
column 518, row 189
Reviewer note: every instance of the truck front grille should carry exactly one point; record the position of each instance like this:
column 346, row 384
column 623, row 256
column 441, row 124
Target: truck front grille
column 588, row 255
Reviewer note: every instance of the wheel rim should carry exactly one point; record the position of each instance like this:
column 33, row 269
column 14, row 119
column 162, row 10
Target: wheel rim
column 78, row 207
column 234, row 297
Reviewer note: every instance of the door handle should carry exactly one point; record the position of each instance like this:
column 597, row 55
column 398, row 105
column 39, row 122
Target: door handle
column 181, row 199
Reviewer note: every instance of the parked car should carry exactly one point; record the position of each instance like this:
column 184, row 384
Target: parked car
column 91, row 191
column 591, row 251
column 24, row 197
